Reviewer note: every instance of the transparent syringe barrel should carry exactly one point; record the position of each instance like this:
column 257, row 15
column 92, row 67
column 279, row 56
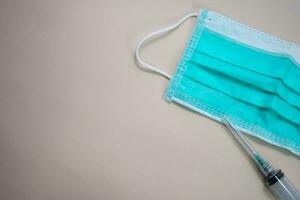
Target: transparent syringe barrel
column 284, row 190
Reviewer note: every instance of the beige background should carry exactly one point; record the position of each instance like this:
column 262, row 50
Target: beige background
column 79, row 120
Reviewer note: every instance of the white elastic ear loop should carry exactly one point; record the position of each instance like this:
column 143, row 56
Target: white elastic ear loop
column 156, row 34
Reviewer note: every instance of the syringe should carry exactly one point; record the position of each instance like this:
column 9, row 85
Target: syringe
column 274, row 179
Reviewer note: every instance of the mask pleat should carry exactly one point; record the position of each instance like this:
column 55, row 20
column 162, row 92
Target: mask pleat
column 243, row 92
column 257, row 60
column 259, row 81
column 219, row 104
column 215, row 102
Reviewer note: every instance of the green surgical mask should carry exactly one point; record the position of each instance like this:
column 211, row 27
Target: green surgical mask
column 229, row 70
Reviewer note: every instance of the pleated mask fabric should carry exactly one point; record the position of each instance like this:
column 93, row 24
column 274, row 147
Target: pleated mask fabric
column 229, row 70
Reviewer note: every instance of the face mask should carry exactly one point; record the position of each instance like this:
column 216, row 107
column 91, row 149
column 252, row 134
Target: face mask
column 229, row 70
